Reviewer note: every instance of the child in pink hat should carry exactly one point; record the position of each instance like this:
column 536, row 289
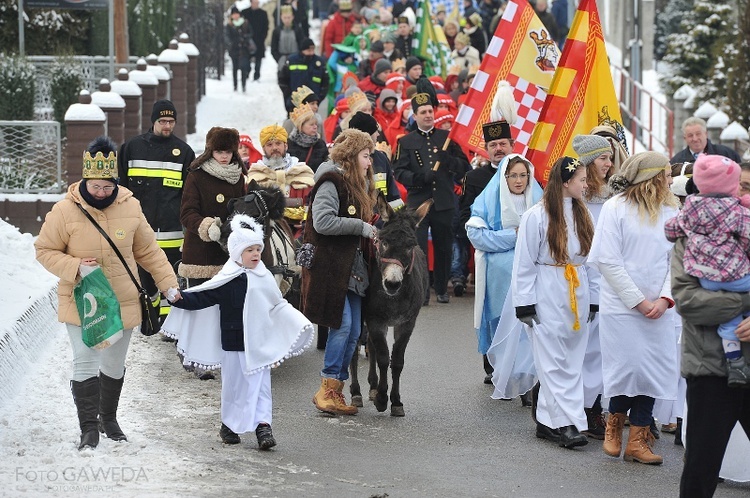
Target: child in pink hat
column 717, row 226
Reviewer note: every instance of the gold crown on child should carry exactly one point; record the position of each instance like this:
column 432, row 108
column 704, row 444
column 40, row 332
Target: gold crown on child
column 99, row 166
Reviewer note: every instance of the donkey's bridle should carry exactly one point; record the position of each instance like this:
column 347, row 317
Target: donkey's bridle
column 394, row 261
column 254, row 197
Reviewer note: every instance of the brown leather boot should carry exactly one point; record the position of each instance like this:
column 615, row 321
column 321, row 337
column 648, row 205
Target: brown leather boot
column 638, row 449
column 343, row 408
column 613, row 434
column 326, row 398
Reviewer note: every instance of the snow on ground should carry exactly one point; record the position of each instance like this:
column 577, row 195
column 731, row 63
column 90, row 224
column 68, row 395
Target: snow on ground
column 38, row 425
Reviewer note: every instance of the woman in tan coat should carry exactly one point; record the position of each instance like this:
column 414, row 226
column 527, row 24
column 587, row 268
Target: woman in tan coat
column 69, row 241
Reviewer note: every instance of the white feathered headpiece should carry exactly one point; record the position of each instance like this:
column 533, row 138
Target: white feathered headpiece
column 246, row 232
column 503, row 104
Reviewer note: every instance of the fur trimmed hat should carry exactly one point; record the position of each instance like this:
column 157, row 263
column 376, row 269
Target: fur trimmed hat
column 246, row 232
column 714, row 174
column 349, row 143
column 589, row 147
column 224, row 139
column 638, row 168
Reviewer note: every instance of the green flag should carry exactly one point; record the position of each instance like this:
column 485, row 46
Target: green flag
column 429, row 43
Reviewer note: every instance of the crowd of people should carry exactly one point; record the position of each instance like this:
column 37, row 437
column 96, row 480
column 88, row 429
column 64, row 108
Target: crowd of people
column 583, row 290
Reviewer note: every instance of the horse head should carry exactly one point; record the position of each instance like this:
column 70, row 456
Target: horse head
column 397, row 245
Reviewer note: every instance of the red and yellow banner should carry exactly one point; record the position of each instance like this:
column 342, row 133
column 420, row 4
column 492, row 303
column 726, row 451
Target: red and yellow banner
column 522, row 52
column 582, row 94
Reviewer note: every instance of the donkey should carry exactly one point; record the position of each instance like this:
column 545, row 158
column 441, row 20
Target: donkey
column 266, row 204
column 398, row 283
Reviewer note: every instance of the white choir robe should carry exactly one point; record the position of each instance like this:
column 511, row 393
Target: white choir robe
column 593, row 383
column 639, row 356
column 558, row 349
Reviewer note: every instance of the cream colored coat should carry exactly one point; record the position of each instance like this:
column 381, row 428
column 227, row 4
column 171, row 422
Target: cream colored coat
column 67, row 237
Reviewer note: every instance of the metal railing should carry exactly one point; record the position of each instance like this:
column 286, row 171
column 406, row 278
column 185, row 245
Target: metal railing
column 30, row 157
column 93, row 69
column 650, row 121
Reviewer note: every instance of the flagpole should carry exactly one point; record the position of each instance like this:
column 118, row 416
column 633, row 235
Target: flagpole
column 445, row 147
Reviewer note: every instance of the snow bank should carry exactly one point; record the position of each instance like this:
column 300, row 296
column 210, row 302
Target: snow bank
column 29, row 302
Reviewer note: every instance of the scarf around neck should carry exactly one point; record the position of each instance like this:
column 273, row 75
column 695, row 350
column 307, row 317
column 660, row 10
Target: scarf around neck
column 230, row 173
column 301, row 139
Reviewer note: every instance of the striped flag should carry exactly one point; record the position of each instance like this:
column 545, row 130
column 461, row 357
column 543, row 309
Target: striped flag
column 429, row 43
column 582, row 94
column 521, row 52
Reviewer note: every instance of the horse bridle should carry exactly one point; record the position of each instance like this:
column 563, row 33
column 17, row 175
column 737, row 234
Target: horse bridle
column 253, row 197
column 394, row 261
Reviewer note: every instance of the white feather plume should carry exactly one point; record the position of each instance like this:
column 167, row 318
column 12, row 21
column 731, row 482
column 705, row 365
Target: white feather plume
column 241, row 220
column 503, row 104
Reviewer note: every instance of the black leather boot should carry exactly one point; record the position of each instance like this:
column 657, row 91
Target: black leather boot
column 570, row 437
column 110, row 390
column 86, row 397
column 265, row 437
column 678, row 433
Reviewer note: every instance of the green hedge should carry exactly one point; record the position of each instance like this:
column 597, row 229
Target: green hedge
column 17, row 86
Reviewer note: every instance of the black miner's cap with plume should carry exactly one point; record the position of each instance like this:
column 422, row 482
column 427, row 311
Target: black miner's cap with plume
column 424, row 85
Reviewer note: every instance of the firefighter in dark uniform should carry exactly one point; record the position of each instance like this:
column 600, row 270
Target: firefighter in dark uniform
column 303, row 68
column 153, row 166
column 416, row 155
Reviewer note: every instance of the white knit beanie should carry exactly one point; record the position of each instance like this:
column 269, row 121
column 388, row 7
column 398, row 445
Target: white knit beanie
column 246, row 232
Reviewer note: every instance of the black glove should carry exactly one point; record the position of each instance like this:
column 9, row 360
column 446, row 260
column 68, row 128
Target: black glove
column 445, row 158
column 429, row 177
column 527, row 314
column 593, row 310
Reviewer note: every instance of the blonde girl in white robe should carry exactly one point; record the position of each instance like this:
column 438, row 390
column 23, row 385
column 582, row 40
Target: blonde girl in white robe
column 636, row 325
column 553, row 295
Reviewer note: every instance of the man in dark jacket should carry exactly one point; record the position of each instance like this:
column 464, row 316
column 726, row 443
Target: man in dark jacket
column 154, row 166
column 258, row 19
column 713, row 407
column 695, row 133
column 416, row 155
column 304, row 68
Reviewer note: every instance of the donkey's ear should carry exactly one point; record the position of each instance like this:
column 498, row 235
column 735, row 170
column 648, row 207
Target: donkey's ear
column 253, row 185
column 423, row 209
column 385, row 209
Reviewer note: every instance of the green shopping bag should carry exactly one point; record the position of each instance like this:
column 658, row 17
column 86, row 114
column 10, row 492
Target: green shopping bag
column 99, row 310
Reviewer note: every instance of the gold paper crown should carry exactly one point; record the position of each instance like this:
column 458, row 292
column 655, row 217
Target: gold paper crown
column 99, row 166
column 300, row 114
column 358, row 101
column 398, row 64
column 286, row 9
column 300, row 94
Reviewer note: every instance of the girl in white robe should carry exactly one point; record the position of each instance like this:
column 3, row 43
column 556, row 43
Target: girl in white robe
column 636, row 323
column 597, row 154
column 553, row 295
column 239, row 321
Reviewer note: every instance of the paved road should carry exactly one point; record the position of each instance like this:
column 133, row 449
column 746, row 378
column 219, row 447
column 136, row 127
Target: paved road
column 454, row 441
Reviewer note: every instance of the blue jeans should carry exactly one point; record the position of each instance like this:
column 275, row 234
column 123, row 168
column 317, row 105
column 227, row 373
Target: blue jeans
column 460, row 260
column 641, row 408
column 343, row 341
column 726, row 330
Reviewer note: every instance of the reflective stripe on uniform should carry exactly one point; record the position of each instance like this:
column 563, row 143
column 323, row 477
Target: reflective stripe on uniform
column 168, row 240
column 144, row 164
column 156, row 173
column 298, row 67
column 316, row 79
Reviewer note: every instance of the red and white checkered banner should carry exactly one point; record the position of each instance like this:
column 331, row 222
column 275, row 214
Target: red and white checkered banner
column 521, row 52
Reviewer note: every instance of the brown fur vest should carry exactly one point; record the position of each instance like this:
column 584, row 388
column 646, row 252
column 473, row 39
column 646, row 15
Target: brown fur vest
column 324, row 286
